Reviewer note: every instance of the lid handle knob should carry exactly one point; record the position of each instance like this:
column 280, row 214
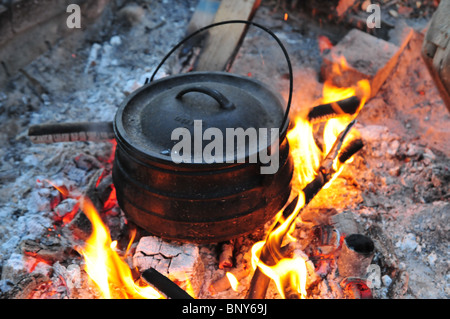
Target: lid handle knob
column 219, row 97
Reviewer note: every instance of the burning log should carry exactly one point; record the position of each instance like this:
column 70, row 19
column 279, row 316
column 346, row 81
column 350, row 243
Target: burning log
column 71, row 132
column 356, row 255
column 164, row 284
column 50, row 249
column 350, row 149
column 323, row 112
column 271, row 251
column 79, row 225
column 270, row 255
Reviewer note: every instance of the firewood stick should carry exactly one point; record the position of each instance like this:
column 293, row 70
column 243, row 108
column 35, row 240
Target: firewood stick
column 71, row 132
column 271, row 251
column 350, row 149
column 323, row 112
column 270, row 255
column 164, row 284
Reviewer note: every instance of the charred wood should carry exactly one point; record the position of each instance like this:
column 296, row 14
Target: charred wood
column 71, row 132
column 164, row 284
column 323, row 112
column 350, row 149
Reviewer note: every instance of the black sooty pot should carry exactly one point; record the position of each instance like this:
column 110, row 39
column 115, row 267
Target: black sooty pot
column 168, row 183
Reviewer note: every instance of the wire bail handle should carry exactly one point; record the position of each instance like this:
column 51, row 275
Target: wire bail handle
column 286, row 55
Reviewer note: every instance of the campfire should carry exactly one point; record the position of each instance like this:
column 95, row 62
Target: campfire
column 317, row 229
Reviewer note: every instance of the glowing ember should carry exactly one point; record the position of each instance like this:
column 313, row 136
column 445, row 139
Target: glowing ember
column 111, row 202
column 62, row 189
column 105, row 267
column 324, row 43
column 189, row 288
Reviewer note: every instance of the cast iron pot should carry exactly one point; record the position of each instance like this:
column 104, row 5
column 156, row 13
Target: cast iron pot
column 199, row 201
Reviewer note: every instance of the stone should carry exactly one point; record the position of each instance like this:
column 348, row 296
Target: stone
column 408, row 242
column 345, row 223
column 115, row 40
column 387, row 281
column 432, row 259
column 366, row 56
column 14, row 267
column 180, row 262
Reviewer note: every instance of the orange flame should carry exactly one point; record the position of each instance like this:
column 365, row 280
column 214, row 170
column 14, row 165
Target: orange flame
column 288, row 272
column 189, row 288
column 62, row 189
column 335, row 126
column 104, row 266
column 234, row 283
column 305, row 152
column 291, row 272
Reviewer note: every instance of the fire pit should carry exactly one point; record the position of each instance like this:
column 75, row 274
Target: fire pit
column 171, row 190
column 365, row 214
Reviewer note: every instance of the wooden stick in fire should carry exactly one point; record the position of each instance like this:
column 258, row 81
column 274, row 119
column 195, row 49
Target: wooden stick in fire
column 271, row 252
column 71, row 132
column 323, row 112
column 164, row 284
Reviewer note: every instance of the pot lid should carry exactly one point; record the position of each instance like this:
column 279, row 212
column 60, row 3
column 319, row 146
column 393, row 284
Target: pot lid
column 173, row 113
